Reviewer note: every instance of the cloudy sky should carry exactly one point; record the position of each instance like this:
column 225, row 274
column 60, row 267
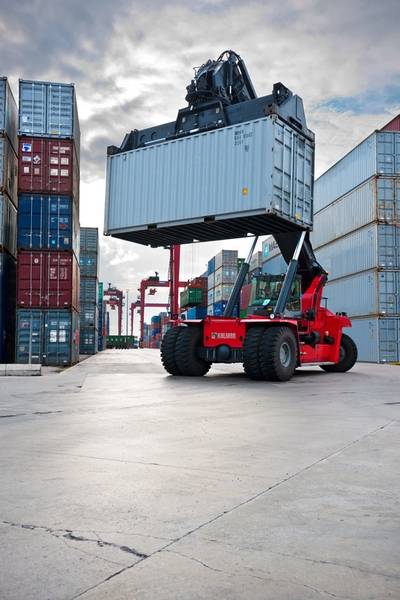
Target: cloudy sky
column 132, row 59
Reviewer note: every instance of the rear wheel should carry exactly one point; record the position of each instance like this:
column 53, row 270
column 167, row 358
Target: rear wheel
column 347, row 356
column 168, row 348
column 251, row 363
column 278, row 353
column 186, row 359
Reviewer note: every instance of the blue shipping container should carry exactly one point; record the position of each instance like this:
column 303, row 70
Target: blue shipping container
column 48, row 223
column 219, row 308
column 377, row 339
column 196, row 312
column 211, row 266
column 7, row 307
column 88, row 262
column 89, row 240
column 8, row 225
column 275, row 266
column 8, row 169
column 48, row 110
column 88, row 340
column 88, row 289
column 89, row 315
column 47, row 337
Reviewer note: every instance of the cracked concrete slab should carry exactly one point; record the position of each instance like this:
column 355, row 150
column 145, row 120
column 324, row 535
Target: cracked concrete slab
column 117, row 482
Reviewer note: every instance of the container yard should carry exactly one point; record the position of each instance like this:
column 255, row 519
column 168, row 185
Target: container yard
column 199, row 303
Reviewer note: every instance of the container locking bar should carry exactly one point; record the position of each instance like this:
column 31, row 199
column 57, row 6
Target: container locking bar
column 235, row 293
column 289, row 277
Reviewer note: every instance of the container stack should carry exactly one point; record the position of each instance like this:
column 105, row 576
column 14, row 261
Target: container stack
column 273, row 262
column 165, row 324
column 255, row 267
column 155, row 331
column 222, row 272
column 8, row 219
column 89, row 256
column 48, row 224
column 101, row 329
column 193, row 299
column 357, row 239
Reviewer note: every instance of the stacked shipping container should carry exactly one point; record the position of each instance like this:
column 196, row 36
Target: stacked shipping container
column 48, row 224
column 8, row 219
column 222, row 272
column 357, row 239
column 88, row 258
column 193, row 299
column 101, row 330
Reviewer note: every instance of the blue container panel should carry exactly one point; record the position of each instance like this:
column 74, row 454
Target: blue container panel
column 275, row 266
column 49, row 337
column 88, row 315
column 88, row 340
column 197, row 312
column 219, row 308
column 47, row 222
column 8, row 112
column 211, row 266
column 7, row 307
column 8, row 225
column 89, row 239
column 88, row 263
column 377, row 339
column 88, row 289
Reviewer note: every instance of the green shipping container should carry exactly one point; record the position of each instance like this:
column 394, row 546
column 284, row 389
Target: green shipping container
column 192, row 297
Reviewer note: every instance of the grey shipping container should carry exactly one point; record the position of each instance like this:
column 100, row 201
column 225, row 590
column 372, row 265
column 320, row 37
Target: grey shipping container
column 373, row 246
column 8, row 225
column 8, row 170
column 269, row 248
column 47, row 337
column 48, row 109
column 226, row 274
column 7, row 307
column 377, row 199
column 88, row 289
column 88, row 342
column 275, row 265
column 378, row 154
column 253, row 177
column 368, row 293
column 225, row 257
column 89, row 241
column 378, row 340
column 8, row 113
column 89, row 315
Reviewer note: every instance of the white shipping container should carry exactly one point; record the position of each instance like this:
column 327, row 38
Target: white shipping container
column 8, row 169
column 210, row 309
column 269, row 248
column 256, row 261
column 210, row 297
column 374, row 246
column 218, row 184
column 368, row 293
column 226, row 274
column 8, row 113
column 378, row 154
column 222, row 292
column 211, row 280
column 378, row 199
column 377, row 339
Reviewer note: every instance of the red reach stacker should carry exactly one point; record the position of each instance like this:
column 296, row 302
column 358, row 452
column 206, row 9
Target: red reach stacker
column 288, row 328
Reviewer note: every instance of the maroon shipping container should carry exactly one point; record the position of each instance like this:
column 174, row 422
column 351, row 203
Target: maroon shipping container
column 245, row 296
column 47, row 280
column 393, row 125
column 48, row 166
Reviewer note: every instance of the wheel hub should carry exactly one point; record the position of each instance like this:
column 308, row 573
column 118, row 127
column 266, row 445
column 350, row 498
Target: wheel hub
column 285, row 354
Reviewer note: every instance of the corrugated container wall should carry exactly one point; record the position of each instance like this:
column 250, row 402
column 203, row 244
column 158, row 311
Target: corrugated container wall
column 378, row 199
column 48, row 222
column 275, row 266
column 255, row 169
column 47, row 280
column 377, row 339
column 48, row 110
column 363, row 294
column 379, row 154
column 8, row 226
column 48, row 166
column 8, row 170
column 8, row 113
column 374, row 246
column 49, row 337
column 7, row 307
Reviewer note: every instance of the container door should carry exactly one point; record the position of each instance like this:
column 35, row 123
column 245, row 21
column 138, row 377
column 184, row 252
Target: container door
column 60, row 223
column 32, row 105
column 3, row 84
column 389, row 340
column 388, row 286
column 29, row 336
column 57, row 338
column 388, row 153
column 32, row 165
column 60, row 165
column 60, row 110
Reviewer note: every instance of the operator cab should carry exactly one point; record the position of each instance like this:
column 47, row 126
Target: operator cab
column 265, row 293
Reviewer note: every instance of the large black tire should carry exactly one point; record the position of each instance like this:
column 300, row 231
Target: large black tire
column 278, row 353
column 347, row 356
column 168, row 349
column 251, row 362
column 187, row 361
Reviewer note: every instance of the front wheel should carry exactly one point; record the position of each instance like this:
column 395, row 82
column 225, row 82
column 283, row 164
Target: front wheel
column 186, row 359
column 347, row 356
column 278, row 353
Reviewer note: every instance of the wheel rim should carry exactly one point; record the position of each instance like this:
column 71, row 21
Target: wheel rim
column 342, row 353
column 285, row 354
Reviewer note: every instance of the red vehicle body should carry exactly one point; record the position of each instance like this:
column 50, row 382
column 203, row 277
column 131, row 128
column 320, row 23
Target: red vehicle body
column 48, row 166
column 47, row 280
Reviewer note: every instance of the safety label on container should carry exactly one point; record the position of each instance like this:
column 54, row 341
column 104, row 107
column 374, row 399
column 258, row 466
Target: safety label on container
column 36, row 159
column 64, row 172
column 26, row 147
column 65, row 160
column 26, row 159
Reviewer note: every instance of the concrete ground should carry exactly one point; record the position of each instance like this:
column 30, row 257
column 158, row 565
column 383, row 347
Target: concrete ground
column 118, row 482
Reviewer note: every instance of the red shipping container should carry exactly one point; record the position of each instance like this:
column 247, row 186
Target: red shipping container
column 48, row 166
column 47, row 280
column 393, row 125
column 245, row 296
